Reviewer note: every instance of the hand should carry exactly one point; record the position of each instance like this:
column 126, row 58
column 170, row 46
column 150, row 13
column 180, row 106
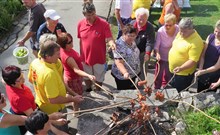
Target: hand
column 146, row 57
column 21, row 43
column 177, row 69
column 56, row 116
column 77, row 99
column 60, row 122
column 158, row 57
column 92, row 77
column 126, row 75
column 198, row 73
column 214, row 85
column 113, row 46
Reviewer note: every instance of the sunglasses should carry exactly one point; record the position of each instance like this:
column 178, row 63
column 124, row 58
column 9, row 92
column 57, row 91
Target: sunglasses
column 69, row 42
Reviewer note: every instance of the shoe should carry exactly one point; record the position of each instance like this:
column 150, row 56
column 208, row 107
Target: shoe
column 89, row 90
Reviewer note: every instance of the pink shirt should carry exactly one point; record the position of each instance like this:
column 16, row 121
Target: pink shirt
column 93, row 44
column 68, row 71
column 164, row 42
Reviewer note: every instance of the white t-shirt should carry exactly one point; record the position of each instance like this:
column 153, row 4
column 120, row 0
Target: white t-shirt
column 125, row 7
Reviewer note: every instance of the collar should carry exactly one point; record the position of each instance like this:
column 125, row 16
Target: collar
column 140, row 29
column 95, row 22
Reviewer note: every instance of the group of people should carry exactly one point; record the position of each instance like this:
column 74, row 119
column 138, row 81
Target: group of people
column 58, row 71
column 177, row 47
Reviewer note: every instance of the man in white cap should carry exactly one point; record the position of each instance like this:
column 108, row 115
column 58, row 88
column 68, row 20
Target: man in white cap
column 52, row 24
column 36, row 18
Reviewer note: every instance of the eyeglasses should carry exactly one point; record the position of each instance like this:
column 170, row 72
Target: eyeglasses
column 2, row 98
column 168, row 25
column 20, row 77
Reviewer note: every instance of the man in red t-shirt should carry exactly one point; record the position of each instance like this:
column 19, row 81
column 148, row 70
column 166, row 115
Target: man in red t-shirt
column 93, row 33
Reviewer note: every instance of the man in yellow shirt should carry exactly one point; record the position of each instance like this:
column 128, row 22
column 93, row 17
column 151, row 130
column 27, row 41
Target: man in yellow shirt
column 44, row 74
column 184, row 54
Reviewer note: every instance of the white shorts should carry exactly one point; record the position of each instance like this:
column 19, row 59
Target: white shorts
column 98, row 70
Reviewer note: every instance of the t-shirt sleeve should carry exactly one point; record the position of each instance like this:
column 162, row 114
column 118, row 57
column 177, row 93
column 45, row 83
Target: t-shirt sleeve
column 117, row 4
column 195, row 51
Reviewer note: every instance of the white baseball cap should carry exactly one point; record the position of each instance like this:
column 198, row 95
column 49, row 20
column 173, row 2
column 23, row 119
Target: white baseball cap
column 52, row 14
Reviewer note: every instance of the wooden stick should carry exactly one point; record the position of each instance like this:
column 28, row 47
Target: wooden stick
column 103, row 107
column 108, row 92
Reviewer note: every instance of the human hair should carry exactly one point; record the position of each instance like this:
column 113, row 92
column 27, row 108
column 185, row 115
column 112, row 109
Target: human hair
column 142, row 11
column 217, row 25
column 10, row 74
column 36, row 121
column 48, row 48
column 47, row 36
column 63, row 39
column 170, row 17
column 128, row 28
column 186, row 23
column 88, row 7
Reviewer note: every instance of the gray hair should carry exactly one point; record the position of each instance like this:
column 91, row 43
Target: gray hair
column 186, row 23
column 217, row 25
column 142, row 11
column 88, row 7
column 47, row 36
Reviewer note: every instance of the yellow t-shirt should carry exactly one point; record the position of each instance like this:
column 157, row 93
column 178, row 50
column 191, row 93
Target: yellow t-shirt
column 48, row 83
column 138, row 4
column 183, row 50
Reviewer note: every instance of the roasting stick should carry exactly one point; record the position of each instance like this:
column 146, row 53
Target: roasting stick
column 107, row 91
column 99, row 108
column 128, row 65
column 103, row 128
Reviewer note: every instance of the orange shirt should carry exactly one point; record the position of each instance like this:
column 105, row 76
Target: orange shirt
column 176, row 12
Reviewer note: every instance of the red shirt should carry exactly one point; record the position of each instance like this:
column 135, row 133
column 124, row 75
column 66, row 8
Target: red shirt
column 20, row 99
column 93, row 44
column 68, row 71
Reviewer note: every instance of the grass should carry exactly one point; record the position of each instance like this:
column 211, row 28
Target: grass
column 198, row 124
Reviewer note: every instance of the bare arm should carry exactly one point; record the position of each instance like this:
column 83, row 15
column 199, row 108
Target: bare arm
column 12, row 120
column 202, row 58
column 67, row 99
column 215, row 85
column 72, row 63
column 26, row 37
column 57, row 131
column 120, row 65
column 118, row 17
column 169, row 8
column 188, row 64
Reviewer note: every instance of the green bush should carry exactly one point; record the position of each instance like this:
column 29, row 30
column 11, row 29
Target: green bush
column 198, row 124
column 9, row 9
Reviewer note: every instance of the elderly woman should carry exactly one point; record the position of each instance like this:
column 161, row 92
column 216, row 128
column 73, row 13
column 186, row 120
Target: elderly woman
column 20, row 96
column 210, row 56
column 72, row 63
column 127, row 49
column 184, row 54
column 9, row 122
column 145, row 37
column 164, row 40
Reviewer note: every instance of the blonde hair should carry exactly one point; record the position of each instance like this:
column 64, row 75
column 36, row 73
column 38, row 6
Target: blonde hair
column 170, row 17
column 217, row 25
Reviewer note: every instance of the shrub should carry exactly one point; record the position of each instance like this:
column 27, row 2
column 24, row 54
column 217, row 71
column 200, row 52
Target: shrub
column 9, row 10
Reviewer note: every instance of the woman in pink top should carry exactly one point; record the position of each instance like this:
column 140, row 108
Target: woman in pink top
column 72, row 63
column 164, row 39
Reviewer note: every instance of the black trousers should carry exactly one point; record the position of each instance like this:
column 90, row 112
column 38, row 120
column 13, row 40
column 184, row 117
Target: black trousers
column 124, row 84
